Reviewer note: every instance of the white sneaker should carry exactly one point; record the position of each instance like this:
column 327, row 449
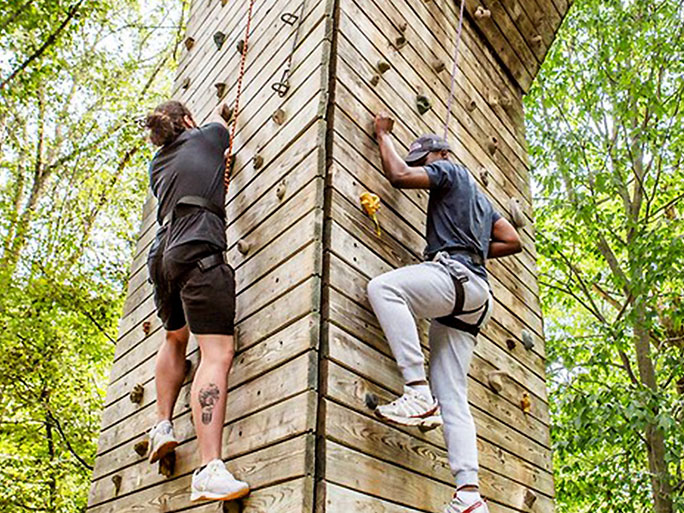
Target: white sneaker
column 215, row 483
column 162, row 440
column 458, row 506
column 411, row 409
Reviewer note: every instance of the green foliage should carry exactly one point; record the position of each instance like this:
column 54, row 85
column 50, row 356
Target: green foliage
column 606, row 130
column 75, row 78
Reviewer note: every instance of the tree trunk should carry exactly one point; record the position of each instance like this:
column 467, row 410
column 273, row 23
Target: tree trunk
column 655, row 439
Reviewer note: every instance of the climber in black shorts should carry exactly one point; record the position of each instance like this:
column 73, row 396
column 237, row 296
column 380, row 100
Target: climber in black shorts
column 194, row 288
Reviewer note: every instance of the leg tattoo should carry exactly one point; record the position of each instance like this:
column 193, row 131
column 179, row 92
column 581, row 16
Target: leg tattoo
column 208, row 396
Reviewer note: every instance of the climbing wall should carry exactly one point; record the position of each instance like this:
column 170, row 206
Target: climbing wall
column 311, row 359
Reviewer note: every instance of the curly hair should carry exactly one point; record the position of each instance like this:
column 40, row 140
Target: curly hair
column 165, row 122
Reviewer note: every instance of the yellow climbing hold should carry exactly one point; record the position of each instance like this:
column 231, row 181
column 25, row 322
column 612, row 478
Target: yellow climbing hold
column 371, row 204
column 526, row 403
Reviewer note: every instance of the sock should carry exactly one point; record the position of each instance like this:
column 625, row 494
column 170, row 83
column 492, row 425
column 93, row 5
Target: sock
column 423, row 390
column 468, row 497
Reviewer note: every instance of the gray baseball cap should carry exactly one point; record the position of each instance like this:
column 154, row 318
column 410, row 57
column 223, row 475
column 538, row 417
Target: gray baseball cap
column 424, row 145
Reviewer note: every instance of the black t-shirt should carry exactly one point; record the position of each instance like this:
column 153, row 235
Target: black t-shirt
column 459, row 216
column 192, row 165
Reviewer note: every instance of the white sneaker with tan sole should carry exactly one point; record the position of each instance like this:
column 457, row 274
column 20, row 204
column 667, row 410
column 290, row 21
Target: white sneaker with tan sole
column 162, row 440
column 411, row 409
column 215, row 483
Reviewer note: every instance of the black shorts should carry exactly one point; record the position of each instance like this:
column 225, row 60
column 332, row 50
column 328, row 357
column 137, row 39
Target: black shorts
column 184, row 293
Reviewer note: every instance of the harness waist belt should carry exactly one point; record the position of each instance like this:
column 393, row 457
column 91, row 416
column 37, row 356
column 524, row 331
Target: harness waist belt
column 210, row 261
column 474, row 257
column 193, row 201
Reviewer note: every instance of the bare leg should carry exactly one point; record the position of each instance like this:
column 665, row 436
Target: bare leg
column 209, row 392
column 170, row 371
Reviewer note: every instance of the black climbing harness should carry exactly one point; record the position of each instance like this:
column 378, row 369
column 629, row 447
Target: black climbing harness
column 453, row 320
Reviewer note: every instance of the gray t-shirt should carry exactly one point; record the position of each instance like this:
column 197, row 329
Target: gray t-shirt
column 459, row 216
column 192, row 165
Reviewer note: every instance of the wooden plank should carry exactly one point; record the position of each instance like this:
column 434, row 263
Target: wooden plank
column 281, row 462
column 381, row 368
column 249, row 362
column 252, row 396
column 358, row 471
column 276, row 424
column 382, row 441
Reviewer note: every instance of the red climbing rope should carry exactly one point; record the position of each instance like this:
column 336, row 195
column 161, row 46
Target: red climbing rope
column 236, row 108
column 453, row 71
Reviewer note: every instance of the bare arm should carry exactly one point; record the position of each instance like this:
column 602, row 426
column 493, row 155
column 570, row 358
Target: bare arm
column 400, row 174
column 505, row 240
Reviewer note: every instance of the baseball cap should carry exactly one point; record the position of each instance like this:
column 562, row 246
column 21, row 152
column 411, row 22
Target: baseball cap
column 424, row 145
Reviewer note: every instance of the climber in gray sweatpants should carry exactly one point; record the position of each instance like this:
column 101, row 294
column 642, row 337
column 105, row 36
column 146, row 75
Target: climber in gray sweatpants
column 452, row 290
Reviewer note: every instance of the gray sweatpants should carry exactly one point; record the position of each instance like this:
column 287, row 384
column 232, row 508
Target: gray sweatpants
column 427, row 291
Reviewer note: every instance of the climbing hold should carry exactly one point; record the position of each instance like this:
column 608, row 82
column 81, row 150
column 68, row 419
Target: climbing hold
column 525, row 403
column 530, row 498
column 671, row 212
column 484, row 177
column 188, row 367
column 506, row 101
column 186, row 83
column 136, row 394
column 371, row 401
column 371, row 204
column 257, row 161
column 226, row 113
column 517, row 215
column 383, row 66
column 141, row 447
column 537, row 40
column 423, row 103
column 493, row 99
column 528, row 340
column 243, row 246
column 281, row 190
column 146, row 326
column 219, row 39
column 289, row 18
column 240, row 46
column 116, row 479
column 400, row 42
column 471, row 105
column 438, row 65
column 430, row 423
column 189, row 43
column 220, row 89
column 482, row 13
column 278, row 117
column 223, row 2
column 375, row 80
column 492, row 144
column 167, row 464
column 510, row 343
column 495, row 380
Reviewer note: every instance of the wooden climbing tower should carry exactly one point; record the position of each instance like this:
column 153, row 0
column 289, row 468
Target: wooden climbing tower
column 312, row 359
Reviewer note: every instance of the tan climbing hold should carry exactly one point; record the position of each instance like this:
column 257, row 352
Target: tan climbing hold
column 257, row 161
column 438, row 65
column 141, row 448
column 493, row 99
column 116, row 479
column 186, row 83
column 375, row 80
column 383, row 66
column 517, row 214
column 482, row 14
column 278, row 117
column 400, row 42
column 243, row 246
column 189, row 43
column 510, row 344
column 506, row 101
column 492, row 144
column 136, row 394
column 537, row 40
column 423, row 103
column 226, row 113
column 146, row 327
column 167, row 464
column 403, row 26
column 530, row 498
column 484, row 177
column 220, row 89
column 471, row 105
column 281, row 190
column 223, row 2
column 495, row 380
column 240, row 46
column 526, row 403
